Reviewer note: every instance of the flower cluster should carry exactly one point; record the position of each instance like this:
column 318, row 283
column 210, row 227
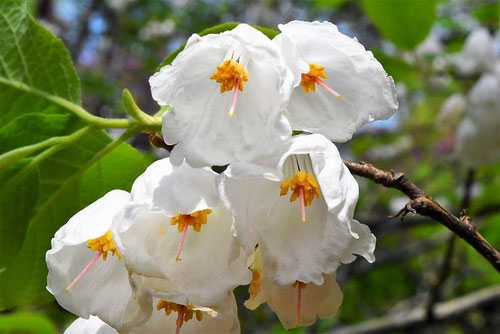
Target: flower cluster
column 167, row 256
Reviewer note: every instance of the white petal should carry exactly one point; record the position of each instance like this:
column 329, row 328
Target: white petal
column 106, row 283
column 291, row 249
column 207, row 269
column 174, row 190
column 478, row 139
column 199, row 119
column 226, row 321
column 91, row 222
column 316, row 301
column 367, row 92
column 92, row 325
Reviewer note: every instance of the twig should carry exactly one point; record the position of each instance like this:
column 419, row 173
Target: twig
column 435, row 289
column 401, row 320
column 424, row 205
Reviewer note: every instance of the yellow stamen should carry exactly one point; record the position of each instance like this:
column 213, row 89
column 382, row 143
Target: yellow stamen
column 227, row 73
column 309, row 79
column 302, row 180
column 254, row 287
column 195, row 219
column 104, row 244
column 186, row 311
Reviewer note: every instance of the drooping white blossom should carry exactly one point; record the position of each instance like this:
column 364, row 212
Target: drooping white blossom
column 240, row 72
column 353, row 87
column 478, row 135
column 298, row 304
column 180, row 234
column 324, row 194
column 84, row 242
column 477, row 55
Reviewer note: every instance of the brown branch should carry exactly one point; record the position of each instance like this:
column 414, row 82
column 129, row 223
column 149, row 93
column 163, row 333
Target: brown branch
column 401, row 320
column 424, row 205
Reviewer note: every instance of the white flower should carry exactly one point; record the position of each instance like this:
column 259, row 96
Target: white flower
column 322, row 186
column 477, row 54
column 317, row 53
column 478, row 136
column 239, row 71
column 192, row 320
column 210, row 264
column 171, row 317
column 92, row 325
column 86, row 239
column 298, row 304
column 451, row 112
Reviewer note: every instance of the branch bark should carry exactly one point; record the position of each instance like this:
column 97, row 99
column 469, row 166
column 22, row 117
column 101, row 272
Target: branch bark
column 424, row 205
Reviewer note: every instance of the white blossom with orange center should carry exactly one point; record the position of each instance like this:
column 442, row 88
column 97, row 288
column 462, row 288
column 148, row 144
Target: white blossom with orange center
column 86, row 272
column 170, row 317
column 339, row 86
column 293, row 249
column 181, row 235
column 226, row 92
column 298, row 304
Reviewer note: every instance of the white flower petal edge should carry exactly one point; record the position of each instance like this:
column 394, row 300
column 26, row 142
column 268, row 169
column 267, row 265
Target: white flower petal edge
column 292, row 249
column 199, row 121
column 321, row 301
column 478, row 138
column 211, row 263
column 106, row 282
column 368, row 93
column 194, row 189
column 92, row 325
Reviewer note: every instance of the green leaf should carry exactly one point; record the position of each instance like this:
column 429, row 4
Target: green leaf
column 26, row 322
column 328, row 4
column 406, row 23
column 51, row 163
column 271, row 33
column 488, row 14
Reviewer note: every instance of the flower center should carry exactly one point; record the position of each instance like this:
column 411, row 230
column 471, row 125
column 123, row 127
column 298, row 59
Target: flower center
column 103, row 244
column 184, row 313
column 227, row 73
column 230, row 74
column 255, row 284
column 303, row 186
column 195, row 219
column 309, row 80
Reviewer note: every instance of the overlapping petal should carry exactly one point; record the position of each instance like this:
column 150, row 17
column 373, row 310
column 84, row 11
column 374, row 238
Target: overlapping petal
column 210, row 264
column 106, row 282
column 368, row 93
column 198, row 121
column 321, row 301
column 292, row 249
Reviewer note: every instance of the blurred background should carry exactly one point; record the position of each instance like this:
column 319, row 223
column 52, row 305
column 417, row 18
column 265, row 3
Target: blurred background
column 444, row 57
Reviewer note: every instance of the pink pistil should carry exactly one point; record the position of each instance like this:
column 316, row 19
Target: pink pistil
column 181, row 242
column 302, row 204
column 180, row 317
column 235, row 96
column 83, row 271
column 299, row 300
column 328, row 89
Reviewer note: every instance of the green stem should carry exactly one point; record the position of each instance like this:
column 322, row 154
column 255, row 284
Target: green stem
column 44, row 155
column 74, row 108
column 10, row 157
